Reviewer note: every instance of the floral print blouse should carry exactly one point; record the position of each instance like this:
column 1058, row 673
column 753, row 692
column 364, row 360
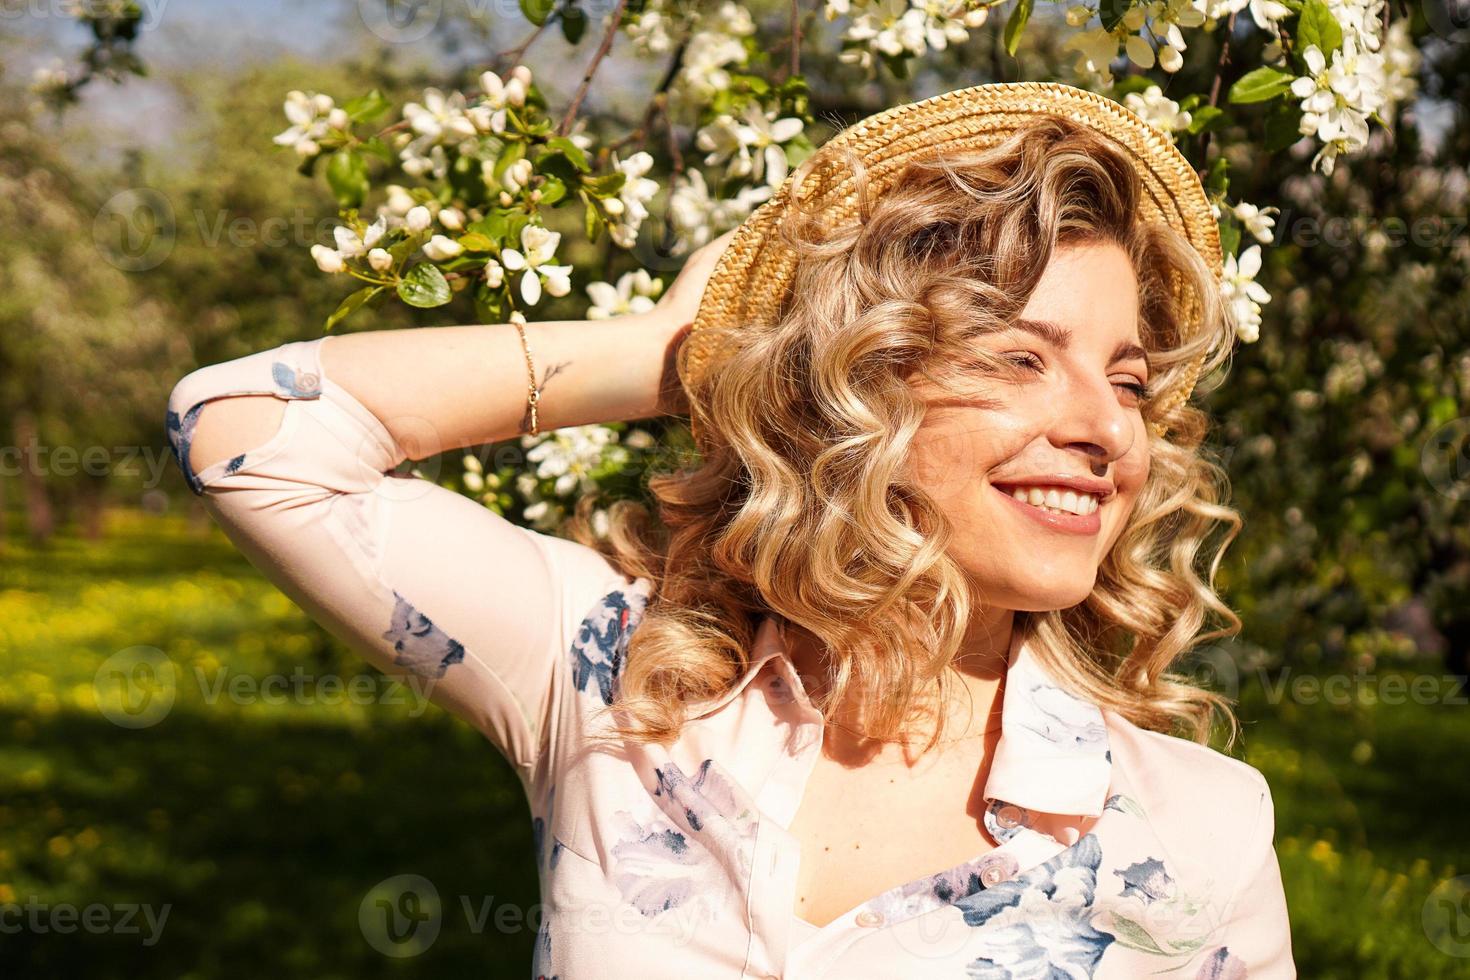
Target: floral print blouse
column 1121, row 852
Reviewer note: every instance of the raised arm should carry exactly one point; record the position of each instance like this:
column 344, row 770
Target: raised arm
column 291, row 451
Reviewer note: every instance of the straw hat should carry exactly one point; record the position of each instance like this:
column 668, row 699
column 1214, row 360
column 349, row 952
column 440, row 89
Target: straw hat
column 753, row 274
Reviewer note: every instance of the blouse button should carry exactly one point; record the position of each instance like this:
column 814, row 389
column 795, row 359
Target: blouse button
column 1008, row 816
column 306, row 381
column 996, row 868
column 869, row 919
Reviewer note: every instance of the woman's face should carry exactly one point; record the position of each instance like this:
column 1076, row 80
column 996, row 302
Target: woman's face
column 1071, row 418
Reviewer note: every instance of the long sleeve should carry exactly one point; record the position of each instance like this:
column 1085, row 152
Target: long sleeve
column 1257, row 929
column 422, row 582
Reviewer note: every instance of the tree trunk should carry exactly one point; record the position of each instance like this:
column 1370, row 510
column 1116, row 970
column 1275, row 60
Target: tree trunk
column 40, row 516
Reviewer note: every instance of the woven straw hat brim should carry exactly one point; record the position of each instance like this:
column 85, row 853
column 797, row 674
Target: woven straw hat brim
column 753, row 274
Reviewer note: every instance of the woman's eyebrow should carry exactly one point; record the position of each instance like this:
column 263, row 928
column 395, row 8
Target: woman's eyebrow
column 1059, row 337
column 1054, row 334
column 1128, row 351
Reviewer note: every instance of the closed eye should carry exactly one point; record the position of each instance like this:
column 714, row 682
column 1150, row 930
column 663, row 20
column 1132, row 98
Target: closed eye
column 1140, row 391
column 1025, row 359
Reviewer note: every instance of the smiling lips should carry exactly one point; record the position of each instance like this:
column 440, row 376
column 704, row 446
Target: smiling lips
column 1056, row 507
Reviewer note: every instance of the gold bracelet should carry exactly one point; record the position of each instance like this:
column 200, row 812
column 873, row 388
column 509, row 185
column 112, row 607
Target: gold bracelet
column 533, row 394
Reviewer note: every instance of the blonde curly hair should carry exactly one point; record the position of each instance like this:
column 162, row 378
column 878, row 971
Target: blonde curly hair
column 800, row 504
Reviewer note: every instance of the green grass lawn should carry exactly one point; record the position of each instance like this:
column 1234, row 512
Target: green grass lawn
column 263, row 826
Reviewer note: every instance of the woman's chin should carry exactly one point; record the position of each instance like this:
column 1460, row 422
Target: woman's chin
column 1046, row 596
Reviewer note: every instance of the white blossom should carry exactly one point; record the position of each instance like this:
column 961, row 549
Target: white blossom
column 438, row 121
column 418, row 218
column 380, row 260
column 328, row 259
column 311, row 117
column 634, row 293
column 400, row 201
column 494, row 274
column 1096, row 49
column 1338, row 98
column 696, row 214
column 1258, row 221
column 1158, row 110
column 630, row 206
column 538, row 249
column 750, row 145
column 652, row 30
column 517, row 175
column 709, row 53
column 568, row 456
column 1243, row 296
column 440, row 248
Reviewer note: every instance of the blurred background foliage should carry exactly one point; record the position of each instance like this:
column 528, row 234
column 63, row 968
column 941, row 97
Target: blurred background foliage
column 1344, row 430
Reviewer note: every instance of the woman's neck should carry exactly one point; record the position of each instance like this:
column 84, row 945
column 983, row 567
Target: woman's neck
column 974, row 678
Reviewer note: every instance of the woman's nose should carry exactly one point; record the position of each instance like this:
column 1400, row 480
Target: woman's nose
column 1092, row 419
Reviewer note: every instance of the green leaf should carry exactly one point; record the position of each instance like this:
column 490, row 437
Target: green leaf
column 409, row 245
column 1205, row 117
column 512, row 152
column 476, row 242
column 1283, row 126
column 1260, row 85
column 424, row 286
column 573, row 24
column 352, row 304
column 378, row 149
column 557, row 165
column 571, row 151
column 537, row 11
column 1318, row 26
column 605, row 185
column 366, row 107
column 552, row 190
column 492, row 226
column 1229, row 237
column 488, row 303
column 1133, row 83
column 347, row 176
column 1217, row 181
column 592, row 222
column 1016, row 24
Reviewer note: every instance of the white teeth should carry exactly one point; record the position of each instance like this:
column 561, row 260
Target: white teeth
column 1055, row 501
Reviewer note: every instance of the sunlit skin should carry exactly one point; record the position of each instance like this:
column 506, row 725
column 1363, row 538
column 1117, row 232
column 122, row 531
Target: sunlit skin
column 1075, row 412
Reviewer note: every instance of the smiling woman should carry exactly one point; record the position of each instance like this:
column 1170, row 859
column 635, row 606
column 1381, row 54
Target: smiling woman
column 885, row 689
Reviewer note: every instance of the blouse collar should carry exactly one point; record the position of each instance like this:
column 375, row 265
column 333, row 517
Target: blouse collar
column 1053, row 754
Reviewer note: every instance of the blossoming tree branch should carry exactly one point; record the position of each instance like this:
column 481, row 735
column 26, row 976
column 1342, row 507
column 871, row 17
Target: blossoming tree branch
column 450, row 193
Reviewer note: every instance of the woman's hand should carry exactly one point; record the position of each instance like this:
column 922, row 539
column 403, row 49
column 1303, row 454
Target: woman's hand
column 680, row 302
column 675, row 312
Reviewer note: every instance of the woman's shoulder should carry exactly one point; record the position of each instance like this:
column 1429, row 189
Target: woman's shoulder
column 1186, row 777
